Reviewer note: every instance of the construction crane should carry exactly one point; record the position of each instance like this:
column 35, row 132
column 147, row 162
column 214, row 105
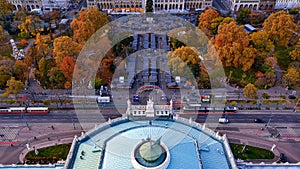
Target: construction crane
column 17, row 54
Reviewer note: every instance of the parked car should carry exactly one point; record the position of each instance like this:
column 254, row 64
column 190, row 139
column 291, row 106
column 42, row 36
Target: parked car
column 258, row 120
column 282, row 157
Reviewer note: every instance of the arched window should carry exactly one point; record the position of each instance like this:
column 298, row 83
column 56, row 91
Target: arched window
column 255, row 7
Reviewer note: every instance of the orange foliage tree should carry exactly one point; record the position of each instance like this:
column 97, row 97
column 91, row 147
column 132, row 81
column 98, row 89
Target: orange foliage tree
column 67, row 67
column 280, row 27
column 232, row 45
column 65, row 46
column 87, row 23
column 205, row 20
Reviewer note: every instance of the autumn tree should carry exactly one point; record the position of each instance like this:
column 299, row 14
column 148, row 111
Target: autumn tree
column 295, row 54
column 67, row 67
column 41, row 46
column 21, row 71
column 56, row 78
column 97, row 82
column 87, row 23
column 215, row 24
column 280, row 27
column 23, row 42
column 13, row 86
column 219, row 21
column 184, row 62
column 250, row 91
column 232, row 45
column 292, row 77
column 53, row 15
column 2, row 35
column 6, row 8
column 5, row 75
column 21, row 14
column 32, row 56
column 262, row 44
column 44, row 66
column 257, row 19
column 205, row 20
column 267, row 80
column 243, row 16
column 64, row 46
column 29, row 26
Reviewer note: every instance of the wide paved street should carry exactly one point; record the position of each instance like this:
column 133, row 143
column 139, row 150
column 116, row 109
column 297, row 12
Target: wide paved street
column 69, row 116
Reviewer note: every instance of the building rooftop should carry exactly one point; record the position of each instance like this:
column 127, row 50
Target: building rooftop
column 189, row 145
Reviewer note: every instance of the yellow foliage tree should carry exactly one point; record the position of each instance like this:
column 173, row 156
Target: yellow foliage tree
column 2, row 35
column 184, row 62
column 64, row 46
column 280, row 27
column 262, row 44
column 292, row 77
column 205, row 20
column 87, row 23
column 250, row 91
column 13, row 86
column 232, row 45
column 6, row 8
column 41, row 46
column 295, row 54
column 29, row 26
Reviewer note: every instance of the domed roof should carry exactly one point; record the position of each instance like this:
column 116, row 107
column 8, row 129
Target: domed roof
column 150, row 151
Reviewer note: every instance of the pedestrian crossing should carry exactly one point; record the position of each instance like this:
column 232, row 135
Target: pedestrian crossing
column 8, row 133
column 289, row 132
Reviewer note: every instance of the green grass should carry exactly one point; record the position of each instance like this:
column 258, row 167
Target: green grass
column 239, row 77
column 58, row 151
column 251, row 153
column 283, row 57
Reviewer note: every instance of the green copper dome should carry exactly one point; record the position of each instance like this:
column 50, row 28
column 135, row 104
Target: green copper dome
column 150, row 151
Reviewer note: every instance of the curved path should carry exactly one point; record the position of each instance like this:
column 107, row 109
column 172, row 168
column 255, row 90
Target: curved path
column 290, row 149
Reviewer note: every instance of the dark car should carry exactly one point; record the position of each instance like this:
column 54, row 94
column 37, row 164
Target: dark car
column 292, row 97
column 282, row 157
column 259, row 120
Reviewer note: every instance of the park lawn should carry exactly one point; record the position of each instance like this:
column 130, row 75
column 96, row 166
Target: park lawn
column 283, row 57
column 59, row 151
column 240, row 78
column 251, row 153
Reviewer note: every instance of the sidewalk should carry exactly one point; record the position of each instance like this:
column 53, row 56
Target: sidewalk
column 43, row 145
column 44, row 130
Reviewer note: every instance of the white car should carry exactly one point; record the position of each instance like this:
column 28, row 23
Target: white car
column 223, row 120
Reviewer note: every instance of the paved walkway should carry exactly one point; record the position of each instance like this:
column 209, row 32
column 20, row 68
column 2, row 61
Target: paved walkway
column 38, row 136
column 256, row 137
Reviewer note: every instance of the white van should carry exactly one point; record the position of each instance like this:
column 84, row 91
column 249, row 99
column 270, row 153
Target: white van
column 223, row 120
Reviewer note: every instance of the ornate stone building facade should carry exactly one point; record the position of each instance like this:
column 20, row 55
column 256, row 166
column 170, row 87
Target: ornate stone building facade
column 235, row 5
column 158, row 5
column 267, row 5
column 282, row 4
column 26, row 4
